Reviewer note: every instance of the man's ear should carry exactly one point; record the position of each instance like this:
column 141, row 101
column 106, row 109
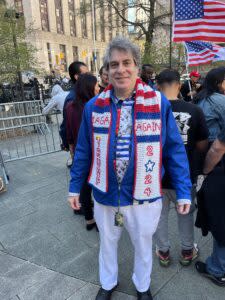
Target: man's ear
column 76, row 76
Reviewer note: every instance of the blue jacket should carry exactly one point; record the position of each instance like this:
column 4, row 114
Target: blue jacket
column 174, row 159
column 214, row 110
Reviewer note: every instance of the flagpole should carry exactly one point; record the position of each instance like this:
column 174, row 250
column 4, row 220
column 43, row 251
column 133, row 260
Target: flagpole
column 187, row 70
column 171, row 28
column 94, row 41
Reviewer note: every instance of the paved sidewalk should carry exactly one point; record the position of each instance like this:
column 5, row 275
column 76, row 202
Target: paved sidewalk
column 47, row 254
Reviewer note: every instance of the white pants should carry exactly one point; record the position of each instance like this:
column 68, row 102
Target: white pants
column 141, row 222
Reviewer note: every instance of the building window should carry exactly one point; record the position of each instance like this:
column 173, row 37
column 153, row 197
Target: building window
column 63, row 57
column 44, row 15
column 75, row 53
column 72, row 17
column 83, row 18
column 19, row 6
column 49, row 57
column 59, row 16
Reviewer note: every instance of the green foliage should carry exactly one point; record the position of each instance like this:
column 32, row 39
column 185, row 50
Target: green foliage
column 17, row 55
column 159, row 55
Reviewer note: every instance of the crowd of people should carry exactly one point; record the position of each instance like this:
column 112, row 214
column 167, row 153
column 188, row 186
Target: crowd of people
column 138, row 142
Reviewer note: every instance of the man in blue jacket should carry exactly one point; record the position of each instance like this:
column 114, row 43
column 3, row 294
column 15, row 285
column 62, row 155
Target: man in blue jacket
column 127, row 136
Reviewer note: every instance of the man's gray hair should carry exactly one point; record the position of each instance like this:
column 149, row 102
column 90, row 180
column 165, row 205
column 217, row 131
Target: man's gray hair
column 122, row 43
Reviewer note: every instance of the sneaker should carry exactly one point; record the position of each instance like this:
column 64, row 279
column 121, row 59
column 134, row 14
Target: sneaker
column 164, row 258
column 187, row 256
column 201, row 268
column 69, row 162
column 105, row 294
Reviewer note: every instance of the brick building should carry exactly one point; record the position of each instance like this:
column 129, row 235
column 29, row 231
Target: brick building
column 64, row 32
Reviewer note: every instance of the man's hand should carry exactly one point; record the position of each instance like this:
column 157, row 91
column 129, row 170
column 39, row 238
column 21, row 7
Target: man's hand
column 74, row 202
column 192, row 93
column 183, row 209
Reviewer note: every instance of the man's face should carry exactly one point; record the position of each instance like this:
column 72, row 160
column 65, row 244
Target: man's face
column 194, row 79
column 123, row 71
column 83, row 70
column 104, row 77
column 147, row 73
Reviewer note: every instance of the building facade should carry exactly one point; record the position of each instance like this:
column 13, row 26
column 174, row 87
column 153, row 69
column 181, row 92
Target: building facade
column 63, row 30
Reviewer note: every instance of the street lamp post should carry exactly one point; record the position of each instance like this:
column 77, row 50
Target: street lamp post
column 94, row 41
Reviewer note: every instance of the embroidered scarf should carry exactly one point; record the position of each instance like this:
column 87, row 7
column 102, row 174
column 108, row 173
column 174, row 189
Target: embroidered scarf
column 147, row 139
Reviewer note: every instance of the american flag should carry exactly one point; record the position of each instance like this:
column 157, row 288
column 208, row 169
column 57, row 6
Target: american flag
column 199, row 53
column 198, row 20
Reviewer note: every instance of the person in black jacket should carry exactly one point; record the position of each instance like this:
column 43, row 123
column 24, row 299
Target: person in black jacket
column 211, row 211
column 191, row 86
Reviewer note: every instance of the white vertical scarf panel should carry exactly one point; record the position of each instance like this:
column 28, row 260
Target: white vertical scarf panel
column 99, row 174
column 148, row 177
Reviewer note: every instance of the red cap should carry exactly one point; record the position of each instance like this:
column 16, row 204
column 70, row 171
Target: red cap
column 194, row 74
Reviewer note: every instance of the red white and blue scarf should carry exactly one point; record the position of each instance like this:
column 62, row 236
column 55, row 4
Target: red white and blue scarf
column 147, row 137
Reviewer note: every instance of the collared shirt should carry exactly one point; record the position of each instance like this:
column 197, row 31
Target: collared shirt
column 123, row 132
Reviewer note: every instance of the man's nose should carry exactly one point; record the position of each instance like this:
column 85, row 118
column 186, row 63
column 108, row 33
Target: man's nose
column 120, row 68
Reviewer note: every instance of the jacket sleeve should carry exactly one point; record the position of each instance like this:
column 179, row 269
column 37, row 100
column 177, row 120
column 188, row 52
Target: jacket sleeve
column 175, row 160
column 52, row 103
column 82, row 158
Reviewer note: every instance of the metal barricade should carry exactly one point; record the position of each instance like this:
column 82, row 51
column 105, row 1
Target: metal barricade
column 3, row 171
column 25, row 132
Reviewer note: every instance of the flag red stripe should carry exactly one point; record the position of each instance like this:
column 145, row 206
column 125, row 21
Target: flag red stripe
column 214, row 17
column 201, row 63
column 204, row 23
column 201, row 58
column 199, row 38
column 216, row 9
column 203, row 30
column 212, row 3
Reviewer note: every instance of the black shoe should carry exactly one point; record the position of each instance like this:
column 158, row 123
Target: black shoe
column 104, row 294
column 91, row 226
column 201, row 268
column 144, row 295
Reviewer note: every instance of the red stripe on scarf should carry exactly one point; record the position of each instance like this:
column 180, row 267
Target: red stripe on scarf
column 100, row 102
column 147, row 109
